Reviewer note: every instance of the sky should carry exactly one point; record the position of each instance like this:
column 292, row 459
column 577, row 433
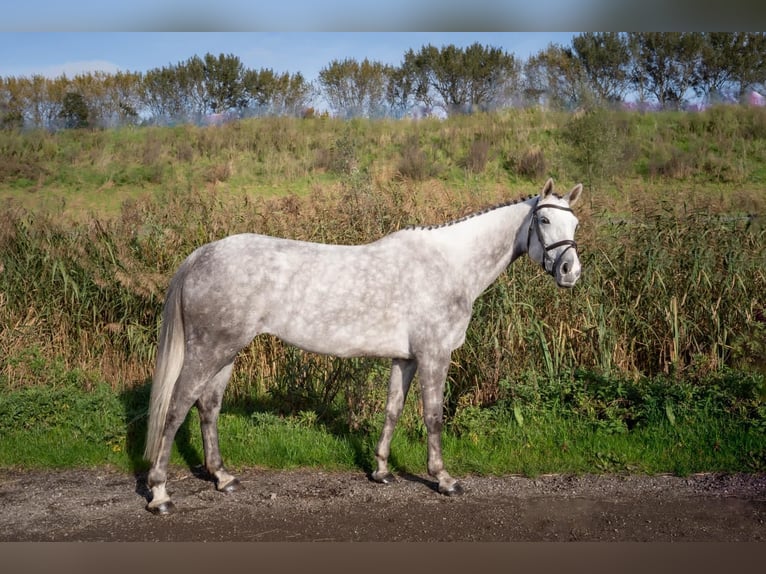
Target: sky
column 332, row 15
column 54, row 53
column 388, row 15
column 51, row 37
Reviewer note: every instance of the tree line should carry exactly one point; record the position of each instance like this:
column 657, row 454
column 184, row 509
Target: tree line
column 659, row 69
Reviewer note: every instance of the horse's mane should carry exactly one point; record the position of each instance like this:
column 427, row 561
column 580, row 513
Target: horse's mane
column 472, row 215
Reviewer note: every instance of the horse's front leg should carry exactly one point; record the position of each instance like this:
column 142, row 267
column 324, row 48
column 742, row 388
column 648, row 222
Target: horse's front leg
column 402, row 372
column 433, row 374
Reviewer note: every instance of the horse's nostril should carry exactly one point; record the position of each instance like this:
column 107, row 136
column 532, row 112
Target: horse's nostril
column 565, row 268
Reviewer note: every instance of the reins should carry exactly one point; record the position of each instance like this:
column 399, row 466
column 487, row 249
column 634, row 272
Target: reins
column 535, row 222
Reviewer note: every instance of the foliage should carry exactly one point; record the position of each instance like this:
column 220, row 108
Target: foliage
column 74, row 111
column 672, row 284
column 355, row 89
column 605, row 60
column 661, row 68
column 555, row 77
column 461, row 80
column 666, row 64
column 584, row 424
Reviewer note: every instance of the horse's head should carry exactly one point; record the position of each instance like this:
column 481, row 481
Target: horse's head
column 552, row 227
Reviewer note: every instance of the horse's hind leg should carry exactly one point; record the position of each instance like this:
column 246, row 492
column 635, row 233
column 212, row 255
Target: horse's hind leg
column 182, row 401
column 190, row 386
column 209, row 407
column 402, row 372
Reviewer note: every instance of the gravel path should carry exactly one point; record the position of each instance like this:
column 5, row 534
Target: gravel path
column 106, row 505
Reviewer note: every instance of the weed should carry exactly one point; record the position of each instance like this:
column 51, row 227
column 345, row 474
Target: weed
column 671, row 291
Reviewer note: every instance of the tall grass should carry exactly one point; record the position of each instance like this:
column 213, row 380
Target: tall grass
column 673, row 281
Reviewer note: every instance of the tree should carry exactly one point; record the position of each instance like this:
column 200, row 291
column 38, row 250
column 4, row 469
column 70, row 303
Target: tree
column 555, row 75
column 223, row 83
column 268, row 93
column 354, row 89
column 159, row 95
column 74, row 111
column 295, row 94
column 749, row 66
column 124, row 95
column 605, row 61
column 461, row 80
column 261, row 87
column 11, row 104
column 400, row 92
column 667, row 65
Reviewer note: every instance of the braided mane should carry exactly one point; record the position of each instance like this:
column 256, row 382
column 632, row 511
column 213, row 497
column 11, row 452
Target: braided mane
column 471, row 215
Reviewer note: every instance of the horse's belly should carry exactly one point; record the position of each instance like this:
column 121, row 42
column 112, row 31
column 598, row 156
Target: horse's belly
column 346, row 340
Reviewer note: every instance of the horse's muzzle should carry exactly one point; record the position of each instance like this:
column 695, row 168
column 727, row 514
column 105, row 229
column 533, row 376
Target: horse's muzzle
column 568, row 269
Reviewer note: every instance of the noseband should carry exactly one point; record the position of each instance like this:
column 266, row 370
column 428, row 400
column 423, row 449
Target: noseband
column 535, row 222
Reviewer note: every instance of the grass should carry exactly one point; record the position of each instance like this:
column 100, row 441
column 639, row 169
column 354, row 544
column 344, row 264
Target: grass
column 717, row 426
column 669, row 309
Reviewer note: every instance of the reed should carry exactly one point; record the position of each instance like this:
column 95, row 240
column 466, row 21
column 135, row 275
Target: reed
column 673, row 281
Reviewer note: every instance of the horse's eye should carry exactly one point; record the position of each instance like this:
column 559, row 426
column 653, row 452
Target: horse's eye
column 544, row 220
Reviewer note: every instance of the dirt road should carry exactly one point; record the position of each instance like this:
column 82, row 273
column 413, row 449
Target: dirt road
column 106, row 505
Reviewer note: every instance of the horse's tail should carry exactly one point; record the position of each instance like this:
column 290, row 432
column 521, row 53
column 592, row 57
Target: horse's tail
column 170, row 359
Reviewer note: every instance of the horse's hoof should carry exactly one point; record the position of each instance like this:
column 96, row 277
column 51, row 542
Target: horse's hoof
column 454, row 490
column 386, row 478
column 162, row 509
column 231, row 486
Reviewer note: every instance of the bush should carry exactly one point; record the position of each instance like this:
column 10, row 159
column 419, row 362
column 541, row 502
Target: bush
column 478, row 155
column 414, row 163
column 531, row 164
column 594, row 145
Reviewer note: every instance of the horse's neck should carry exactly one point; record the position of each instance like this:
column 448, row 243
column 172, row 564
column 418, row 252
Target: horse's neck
column 482, row 246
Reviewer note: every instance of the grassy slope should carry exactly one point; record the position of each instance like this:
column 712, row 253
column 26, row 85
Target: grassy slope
column 711, row 162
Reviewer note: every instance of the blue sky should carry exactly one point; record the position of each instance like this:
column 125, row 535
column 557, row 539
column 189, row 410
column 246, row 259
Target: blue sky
column 379, row 16
column 54, row 53
column 53, row 36
column 317, row 15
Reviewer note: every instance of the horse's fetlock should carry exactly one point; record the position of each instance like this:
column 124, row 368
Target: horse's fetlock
column 155, row 478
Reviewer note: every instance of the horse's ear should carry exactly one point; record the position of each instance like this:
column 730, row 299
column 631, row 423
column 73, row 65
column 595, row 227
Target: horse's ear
column 547, row 188
column 574, row 194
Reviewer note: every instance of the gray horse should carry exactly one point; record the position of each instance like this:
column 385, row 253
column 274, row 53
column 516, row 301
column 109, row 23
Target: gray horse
column 407, row 296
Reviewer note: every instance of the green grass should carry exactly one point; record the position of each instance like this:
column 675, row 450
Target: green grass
column 720, row 429
column 652, row 363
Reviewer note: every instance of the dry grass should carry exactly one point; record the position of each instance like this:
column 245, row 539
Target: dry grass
column 668, row 286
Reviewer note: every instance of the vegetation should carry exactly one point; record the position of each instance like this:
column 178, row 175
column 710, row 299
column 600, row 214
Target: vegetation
column 594, row 425
column 654, row 362
column 662, row 70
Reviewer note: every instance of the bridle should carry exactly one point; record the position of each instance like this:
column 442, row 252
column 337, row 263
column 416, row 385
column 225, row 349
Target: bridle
column 535, row 222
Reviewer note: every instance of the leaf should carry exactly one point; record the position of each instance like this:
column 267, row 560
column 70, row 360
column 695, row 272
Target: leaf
column 517, row 415
column 669, row 413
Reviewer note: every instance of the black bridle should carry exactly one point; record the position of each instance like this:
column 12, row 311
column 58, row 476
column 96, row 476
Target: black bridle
column 535, row 222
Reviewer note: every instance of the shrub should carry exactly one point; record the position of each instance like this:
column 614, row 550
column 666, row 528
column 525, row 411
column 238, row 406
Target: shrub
column 414, row 163
column 478, row 155
column 531, row 164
